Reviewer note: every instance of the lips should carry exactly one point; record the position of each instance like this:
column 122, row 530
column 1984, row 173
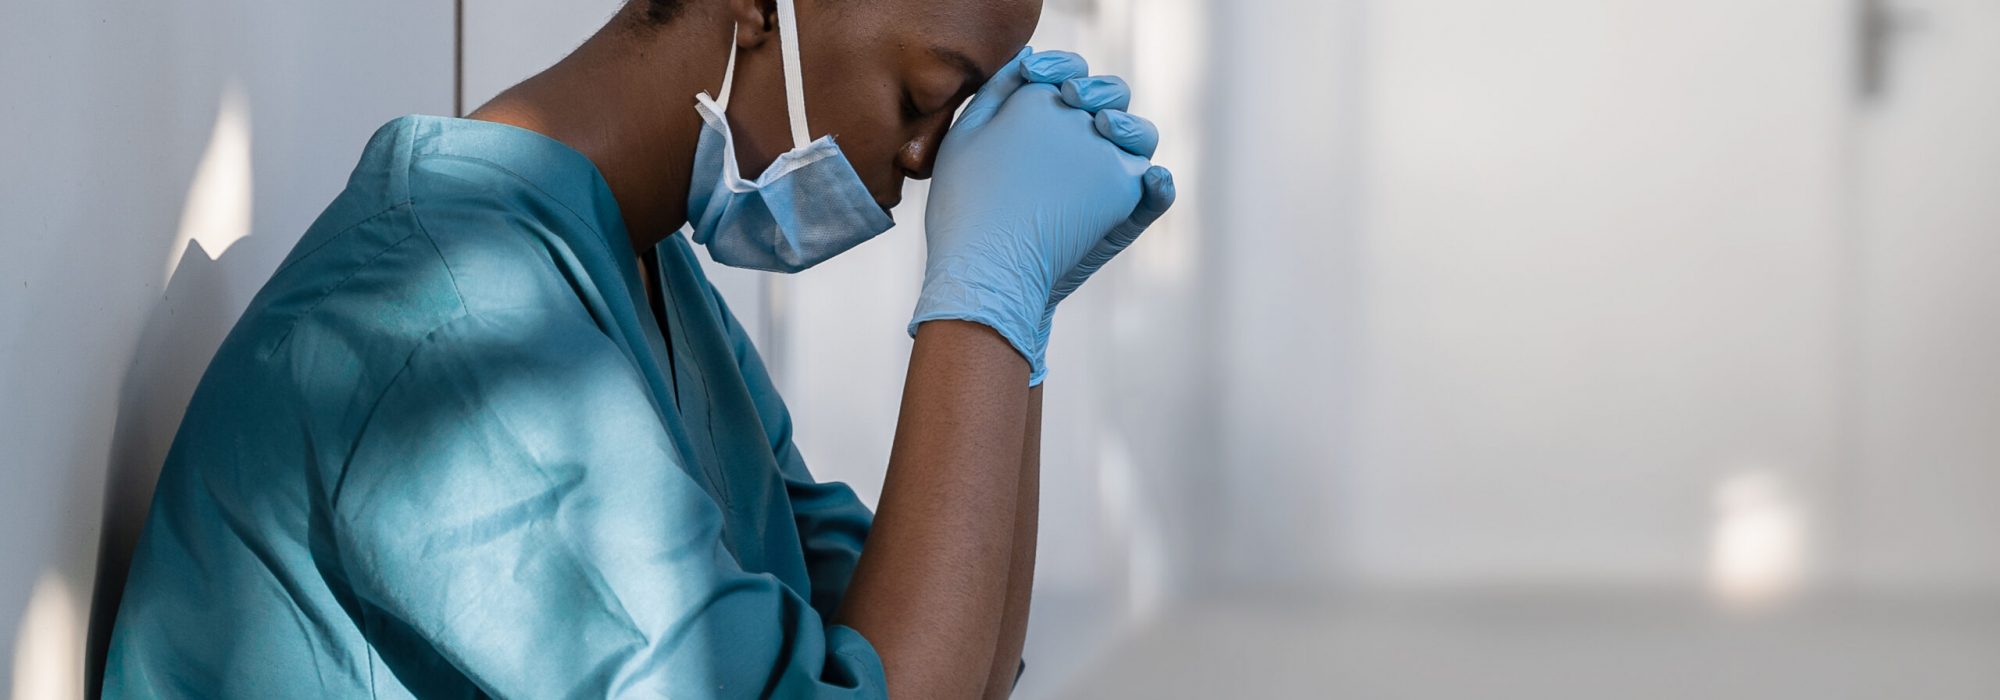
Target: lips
column 895, row 197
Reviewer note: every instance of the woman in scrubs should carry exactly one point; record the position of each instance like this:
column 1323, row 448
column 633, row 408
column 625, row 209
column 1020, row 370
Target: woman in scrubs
column 489, row 431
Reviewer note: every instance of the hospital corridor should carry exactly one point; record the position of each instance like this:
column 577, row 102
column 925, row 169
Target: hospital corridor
column 1546, row 349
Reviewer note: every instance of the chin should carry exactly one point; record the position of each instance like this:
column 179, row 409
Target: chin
column 893, row 196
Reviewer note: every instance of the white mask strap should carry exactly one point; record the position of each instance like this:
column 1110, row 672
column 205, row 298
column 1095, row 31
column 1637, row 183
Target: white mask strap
column 728, row 72
column 795, row 90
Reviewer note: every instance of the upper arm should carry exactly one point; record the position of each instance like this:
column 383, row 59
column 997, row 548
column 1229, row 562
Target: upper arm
column 515, row 507
column 833, row 522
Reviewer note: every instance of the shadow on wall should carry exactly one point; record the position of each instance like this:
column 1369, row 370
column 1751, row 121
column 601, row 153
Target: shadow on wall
column 124, row 269
column 181, row 334
column 183, row 327
column 182, row 330
column 122, row 156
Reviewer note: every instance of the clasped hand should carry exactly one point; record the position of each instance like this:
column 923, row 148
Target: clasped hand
column 1041, row 181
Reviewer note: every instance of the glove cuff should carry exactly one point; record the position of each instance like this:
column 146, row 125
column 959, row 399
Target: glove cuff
column 957, row 301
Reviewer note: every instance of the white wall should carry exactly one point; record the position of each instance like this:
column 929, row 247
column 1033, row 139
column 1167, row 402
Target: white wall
column 1601, row 250
column 138, row 132
column 1541, row 292
column 1285, row 247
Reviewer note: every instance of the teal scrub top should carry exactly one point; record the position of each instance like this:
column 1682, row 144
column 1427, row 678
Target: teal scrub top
column 448, row 452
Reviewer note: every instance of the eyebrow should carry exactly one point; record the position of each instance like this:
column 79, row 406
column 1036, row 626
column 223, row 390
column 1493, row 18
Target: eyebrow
column 974, row 75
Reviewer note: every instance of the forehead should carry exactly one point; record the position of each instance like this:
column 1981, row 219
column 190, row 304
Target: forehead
column 987, row 31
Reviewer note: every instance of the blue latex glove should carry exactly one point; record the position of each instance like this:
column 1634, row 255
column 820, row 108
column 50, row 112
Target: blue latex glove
column 1042, row 180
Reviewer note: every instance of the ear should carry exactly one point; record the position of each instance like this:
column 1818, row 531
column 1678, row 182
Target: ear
column 756, row 21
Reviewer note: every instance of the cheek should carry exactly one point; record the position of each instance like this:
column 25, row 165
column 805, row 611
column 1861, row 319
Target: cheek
column 859, row 101
column 871, row 132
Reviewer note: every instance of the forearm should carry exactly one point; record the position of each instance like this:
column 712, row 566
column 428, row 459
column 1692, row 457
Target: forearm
column 1021, row 569
column 932, row 584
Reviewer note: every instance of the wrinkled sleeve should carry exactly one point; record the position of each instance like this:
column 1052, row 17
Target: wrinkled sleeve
column 833, row 523
column 514, row 508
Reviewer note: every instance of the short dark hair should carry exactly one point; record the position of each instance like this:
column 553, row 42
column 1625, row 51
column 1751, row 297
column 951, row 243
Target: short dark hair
column 660, row 12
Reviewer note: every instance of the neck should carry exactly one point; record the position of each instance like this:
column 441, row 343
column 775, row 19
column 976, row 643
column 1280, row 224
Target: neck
column 625, row 100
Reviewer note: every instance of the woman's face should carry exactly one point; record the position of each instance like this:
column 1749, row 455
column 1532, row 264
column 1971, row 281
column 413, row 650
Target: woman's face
column 884, row 77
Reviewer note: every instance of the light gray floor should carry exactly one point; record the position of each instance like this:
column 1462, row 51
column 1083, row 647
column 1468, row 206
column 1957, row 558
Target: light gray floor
column 1545, row 646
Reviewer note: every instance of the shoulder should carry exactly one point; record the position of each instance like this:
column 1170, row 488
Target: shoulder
column 547, row 385
column 504, row 243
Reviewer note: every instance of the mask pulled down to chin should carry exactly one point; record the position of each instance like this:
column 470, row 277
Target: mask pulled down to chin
column 807, row 206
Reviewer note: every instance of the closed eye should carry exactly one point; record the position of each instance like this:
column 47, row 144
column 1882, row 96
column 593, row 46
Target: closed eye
column 942, row 91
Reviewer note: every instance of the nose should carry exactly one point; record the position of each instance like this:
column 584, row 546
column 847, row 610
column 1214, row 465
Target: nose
column 919, row 156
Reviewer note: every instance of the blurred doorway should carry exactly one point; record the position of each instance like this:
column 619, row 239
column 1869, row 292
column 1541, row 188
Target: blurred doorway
column 1926, row 216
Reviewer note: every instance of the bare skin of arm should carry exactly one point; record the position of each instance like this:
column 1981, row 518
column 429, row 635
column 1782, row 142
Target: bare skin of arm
column 932, row 586
column 1021, row 570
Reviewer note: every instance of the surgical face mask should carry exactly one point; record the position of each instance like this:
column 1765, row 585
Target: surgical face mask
column 809, row 205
